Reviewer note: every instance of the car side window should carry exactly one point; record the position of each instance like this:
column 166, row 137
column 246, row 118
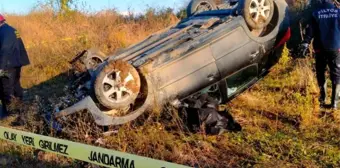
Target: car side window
column 241, row 79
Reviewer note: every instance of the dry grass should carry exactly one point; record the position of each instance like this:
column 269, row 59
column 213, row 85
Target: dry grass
column 282, row 123
column 52, row 40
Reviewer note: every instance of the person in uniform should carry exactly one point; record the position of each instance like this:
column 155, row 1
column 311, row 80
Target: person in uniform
column 325, row 30
column 13, row 57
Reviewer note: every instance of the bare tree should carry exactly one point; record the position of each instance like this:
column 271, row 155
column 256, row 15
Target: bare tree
column 64, row 5
column 61, row 6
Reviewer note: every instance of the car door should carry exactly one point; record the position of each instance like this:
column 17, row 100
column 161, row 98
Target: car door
column 235, row 51
column 188, row 74
column 237, row 57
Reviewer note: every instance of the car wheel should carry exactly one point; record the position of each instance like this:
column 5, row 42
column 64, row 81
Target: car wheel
column 117, row 85
column 198, row 6
column 258, row 13
column 94, row 58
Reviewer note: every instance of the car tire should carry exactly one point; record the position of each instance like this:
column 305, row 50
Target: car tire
column 258, row 13
column 198, row 6
column 117, row 85
column 93, row 58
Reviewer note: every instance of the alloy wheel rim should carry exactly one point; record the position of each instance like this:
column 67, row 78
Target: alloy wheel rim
column 115, row 88
column 203, row 6
column 259, row 10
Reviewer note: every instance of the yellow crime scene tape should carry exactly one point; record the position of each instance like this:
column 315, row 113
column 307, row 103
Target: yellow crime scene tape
column 96, row 155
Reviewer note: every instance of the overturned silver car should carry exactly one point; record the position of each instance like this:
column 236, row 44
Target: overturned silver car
column 220, row 52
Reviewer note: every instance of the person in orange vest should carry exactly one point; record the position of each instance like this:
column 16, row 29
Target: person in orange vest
column 13, row 57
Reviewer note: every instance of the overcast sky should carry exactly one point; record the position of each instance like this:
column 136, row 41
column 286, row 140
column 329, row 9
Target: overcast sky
column 23, row 6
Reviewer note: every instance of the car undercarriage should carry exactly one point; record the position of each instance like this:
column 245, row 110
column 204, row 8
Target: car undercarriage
column 208, row 52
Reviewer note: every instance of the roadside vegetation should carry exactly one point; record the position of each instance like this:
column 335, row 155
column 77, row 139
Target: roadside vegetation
column 283, row 125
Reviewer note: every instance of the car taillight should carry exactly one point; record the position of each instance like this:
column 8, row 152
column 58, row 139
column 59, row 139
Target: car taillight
column 285, row 38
